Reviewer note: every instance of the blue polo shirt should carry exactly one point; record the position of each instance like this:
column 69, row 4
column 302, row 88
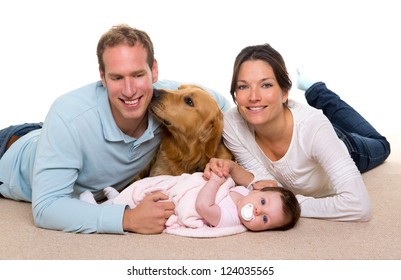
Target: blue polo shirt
column 79, row 148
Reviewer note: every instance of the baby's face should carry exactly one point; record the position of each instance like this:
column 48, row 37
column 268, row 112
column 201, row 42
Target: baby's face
column 262, row 210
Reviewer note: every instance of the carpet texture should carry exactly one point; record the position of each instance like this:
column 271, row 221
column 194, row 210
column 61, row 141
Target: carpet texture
column 379, row 239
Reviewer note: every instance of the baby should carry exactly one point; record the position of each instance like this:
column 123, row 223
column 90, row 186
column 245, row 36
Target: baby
column 265, row 209
column 216, row 202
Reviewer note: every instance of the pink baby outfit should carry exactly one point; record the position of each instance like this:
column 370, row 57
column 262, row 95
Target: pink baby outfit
column 229, row 213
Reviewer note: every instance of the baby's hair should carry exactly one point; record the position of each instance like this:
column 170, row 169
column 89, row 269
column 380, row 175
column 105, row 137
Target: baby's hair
column 291, row 207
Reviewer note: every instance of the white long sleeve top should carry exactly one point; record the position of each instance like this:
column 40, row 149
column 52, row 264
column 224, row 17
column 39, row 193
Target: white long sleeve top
column 317, row 166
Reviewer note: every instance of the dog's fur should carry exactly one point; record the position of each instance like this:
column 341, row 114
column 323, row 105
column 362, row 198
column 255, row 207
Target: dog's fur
column 193, row 124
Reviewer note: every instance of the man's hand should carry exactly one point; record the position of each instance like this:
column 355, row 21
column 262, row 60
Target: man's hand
column 150, row 216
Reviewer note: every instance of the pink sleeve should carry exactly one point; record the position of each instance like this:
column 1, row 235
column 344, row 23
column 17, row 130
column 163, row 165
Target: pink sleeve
column 229, row 214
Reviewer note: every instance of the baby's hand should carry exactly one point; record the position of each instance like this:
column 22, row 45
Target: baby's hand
column 217, row 179
column 222, row 167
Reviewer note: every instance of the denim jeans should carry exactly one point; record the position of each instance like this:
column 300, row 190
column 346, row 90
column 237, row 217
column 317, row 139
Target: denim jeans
column 367, row 147
column 18, row 130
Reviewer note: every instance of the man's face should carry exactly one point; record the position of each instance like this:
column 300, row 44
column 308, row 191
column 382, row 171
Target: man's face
column 128, row 80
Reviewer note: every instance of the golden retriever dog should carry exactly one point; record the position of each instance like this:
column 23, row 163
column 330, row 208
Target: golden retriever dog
column 193, row 124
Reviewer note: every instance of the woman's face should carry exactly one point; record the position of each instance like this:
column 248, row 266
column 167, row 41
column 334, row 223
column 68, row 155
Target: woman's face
column 258, row 94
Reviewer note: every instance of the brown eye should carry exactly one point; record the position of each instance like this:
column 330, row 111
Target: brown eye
column 189, row 101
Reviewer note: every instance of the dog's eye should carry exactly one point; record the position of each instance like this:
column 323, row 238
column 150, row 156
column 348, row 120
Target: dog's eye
column 189, row 101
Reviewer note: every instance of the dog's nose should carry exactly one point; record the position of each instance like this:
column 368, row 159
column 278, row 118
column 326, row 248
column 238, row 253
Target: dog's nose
column 156, row 94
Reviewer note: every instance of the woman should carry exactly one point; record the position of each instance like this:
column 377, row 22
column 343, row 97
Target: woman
column 277, row 141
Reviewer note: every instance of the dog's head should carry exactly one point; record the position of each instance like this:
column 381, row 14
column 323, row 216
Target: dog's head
column 189, row 111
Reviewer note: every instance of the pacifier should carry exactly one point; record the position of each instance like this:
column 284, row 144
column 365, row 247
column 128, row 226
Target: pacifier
column 247, row 212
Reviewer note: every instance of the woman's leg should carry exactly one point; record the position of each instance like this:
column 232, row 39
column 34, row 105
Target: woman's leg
column 366, row 146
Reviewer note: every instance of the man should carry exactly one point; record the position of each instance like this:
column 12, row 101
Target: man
column 96, row 136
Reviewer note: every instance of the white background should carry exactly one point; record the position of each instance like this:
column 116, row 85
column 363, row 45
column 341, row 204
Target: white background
column 49, row 47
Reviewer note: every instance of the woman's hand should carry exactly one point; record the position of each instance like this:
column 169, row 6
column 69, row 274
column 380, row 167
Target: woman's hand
column 228, row 168
column 221, row 167
column 264, row 183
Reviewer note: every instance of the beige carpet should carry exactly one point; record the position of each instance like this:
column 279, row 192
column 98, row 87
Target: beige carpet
column 379, row 239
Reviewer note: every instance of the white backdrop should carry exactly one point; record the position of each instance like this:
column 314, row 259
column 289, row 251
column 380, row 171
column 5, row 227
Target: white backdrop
column 49, row 47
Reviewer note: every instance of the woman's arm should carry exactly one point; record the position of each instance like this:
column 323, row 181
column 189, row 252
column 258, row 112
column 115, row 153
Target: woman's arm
column 350, row 200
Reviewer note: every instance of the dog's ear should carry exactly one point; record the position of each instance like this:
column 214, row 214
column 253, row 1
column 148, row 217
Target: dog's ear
column 212, row 133
column 184, row 86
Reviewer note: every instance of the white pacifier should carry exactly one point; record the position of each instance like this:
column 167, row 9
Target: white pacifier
column 247, row 212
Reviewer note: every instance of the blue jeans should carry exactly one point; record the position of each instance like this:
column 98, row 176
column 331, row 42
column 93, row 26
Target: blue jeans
column 18, row 130
column 367, row 147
